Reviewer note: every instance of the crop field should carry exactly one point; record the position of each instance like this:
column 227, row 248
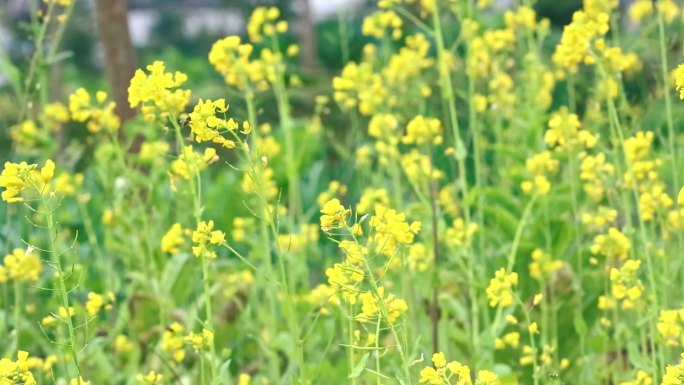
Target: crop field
column 474, row 194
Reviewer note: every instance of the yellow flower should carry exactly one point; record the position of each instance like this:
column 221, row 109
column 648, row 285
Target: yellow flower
column 334, row 215
column 97, row 301
column 19, row 177
column 172, row 341
column 199, row 340
column 190, row 163
column 565, row 132
column 204, row 239
column 123, row 345
column 379, row 22
column 500, row 289
column 150, row 378
column 206, row 126
column 613, row 245
column 421, row 130
column 99, row 115
column 22, row 266
column 679, row 80
column 173, row 239
column 158, row 91
column 390, row 230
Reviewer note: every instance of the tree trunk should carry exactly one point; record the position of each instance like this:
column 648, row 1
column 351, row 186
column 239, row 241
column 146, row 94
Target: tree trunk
column 307, row 37
column 119, row 57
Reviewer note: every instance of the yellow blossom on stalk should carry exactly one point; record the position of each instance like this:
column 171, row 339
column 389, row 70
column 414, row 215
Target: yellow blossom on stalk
column 153, row 151
column 67, row 184
column 172, row 341
column 594, row 170
column 99, row 114
column 671, row 326
column 241, row 227
column 603, row 217
column 244, row 379
column 344, row 277
column 390, row 230
column 442, row 372
column 500, row 289
column 594, row 8
column 625, row 284
column 268, row 186
column 613, row 245
column 236, row 283
column 641, row 378
column 421, row 130
column 674, row 374
column 151, row 378
column 540, row 166
column 565, row 132
column 19, row 177
column 96, row 302
column 543, row 265
column 418, row 167
column 522, row 17
column 637, row 151
column 267, row 146
column 16, row 372
column 200, row 340
column 498, row 40
column 231, row 59
column 639, row 10
column 263, row 22
column 679, row 80
column 668, row 8
column 446, row 200
column 190, row 163
column 321, row 296
column 378, row 23
column 207, row 127
column 123, row 344
column 204, row 239
column 371, row 307
column 173, row 239
column 460, row 235
column 21, row 266
column 511, row 339
column 158, row 91
column 28, row 135
column 418, row 258
column 334, row 215
column 653, row 201
column 576, row 40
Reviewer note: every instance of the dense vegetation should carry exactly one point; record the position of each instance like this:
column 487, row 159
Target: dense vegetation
column 478, row 199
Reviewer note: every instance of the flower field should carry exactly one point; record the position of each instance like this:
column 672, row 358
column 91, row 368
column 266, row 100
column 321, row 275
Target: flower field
column 477, row 196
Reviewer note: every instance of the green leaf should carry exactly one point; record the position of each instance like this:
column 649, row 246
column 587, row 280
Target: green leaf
column 360, row 366
column 580, row 324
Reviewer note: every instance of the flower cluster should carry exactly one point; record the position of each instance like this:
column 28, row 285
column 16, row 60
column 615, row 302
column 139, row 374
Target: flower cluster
column 158, row 92
column 500, row 289
column 207, row 127
column 99, row 115
column 17, row 178
column 205, row 238
column 16, row 372
column 21, row 266
column 443, row 373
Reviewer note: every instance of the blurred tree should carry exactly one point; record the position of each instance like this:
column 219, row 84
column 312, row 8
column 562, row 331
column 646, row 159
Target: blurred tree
column 119, row 57
column 307, row 36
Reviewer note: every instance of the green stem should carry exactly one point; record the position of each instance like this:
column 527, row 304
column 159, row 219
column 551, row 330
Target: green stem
column 62, row 291
column 668, row 101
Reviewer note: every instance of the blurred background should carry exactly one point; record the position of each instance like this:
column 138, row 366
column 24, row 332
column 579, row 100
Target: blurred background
column 106, row 40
